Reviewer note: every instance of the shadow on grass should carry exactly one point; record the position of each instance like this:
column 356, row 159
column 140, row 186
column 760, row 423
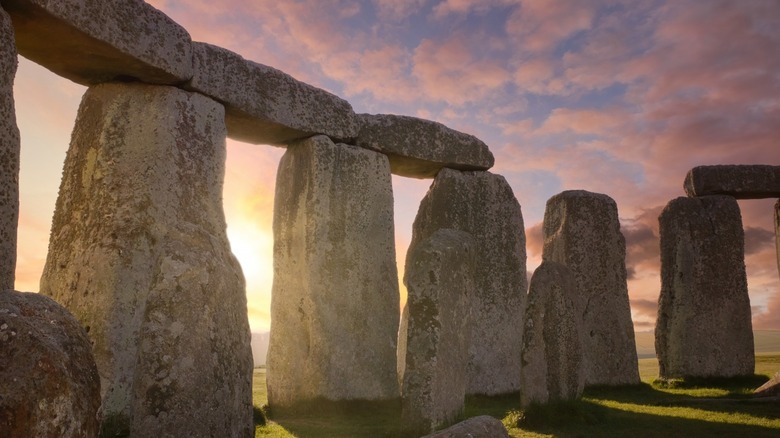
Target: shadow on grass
column 652, row 411
column 323, row 418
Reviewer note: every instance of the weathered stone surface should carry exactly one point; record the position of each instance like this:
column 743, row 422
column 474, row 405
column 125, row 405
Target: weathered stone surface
column 9, row 155
column 96, row 41
column 483, row 426
column 753, row 181
column 703, row 327
column 553, row 338
column 334, row 307
column 265, row 105
column 49, row 383
column 582, row 232
column 483, row 205
column 433, row 342
column 420, row 148
column 139, row 254
column 769, row 389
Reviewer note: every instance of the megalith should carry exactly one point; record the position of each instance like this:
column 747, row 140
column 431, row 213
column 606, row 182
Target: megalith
column 742, row 181
column 50, row 385
column 552, row 340
column 703, row 327
column 420, row 148
column 139, row 254
column 582, row 232
column 433, row 341
column 9, row 155
column 335, row 297
column 483, row 426
column 483, row 205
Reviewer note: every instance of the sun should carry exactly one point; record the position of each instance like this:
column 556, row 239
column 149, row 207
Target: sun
column 253, row 247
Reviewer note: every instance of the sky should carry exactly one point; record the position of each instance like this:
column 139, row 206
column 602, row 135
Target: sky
column 620, row 97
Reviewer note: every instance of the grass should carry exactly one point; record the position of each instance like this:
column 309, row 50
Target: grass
column 652, row 409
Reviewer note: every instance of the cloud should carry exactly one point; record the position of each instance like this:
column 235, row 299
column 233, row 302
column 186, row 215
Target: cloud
column 541, row 25
column 534, row 239
column 645, row 307
column 397, row 10
column 758, row 239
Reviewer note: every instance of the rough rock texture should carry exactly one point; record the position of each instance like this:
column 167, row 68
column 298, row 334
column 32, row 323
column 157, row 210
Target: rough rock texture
column 770, row 388
column 95, row 41
column 49, row 385
column 740, row 181
column 265, row 105
column 433, row 342
column 483, row 426
column 9, row 155
column 553, row 338
column 420, row 148
column 334, row 308
column 482, row 204
column 139, row 254
column 582, row 232
column 703, row 327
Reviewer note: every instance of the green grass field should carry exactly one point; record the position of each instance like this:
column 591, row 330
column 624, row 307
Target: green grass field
column 697, row 409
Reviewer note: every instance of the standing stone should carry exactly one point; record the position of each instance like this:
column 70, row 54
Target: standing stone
column 49, row 384
column 483, row 205
column 334, row 306
column 9, row 155
column 552, row 340
column 582, row 232
column 433, row 342
column 139, row 254
column 703, row 327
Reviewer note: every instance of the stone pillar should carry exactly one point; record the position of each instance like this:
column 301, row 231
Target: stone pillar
column 9, row 155
column 703, row 327
column 433, row 342
column 552, row 341
column 582, row 232
column 140, row 255
column 483, row 205
column 334, row 308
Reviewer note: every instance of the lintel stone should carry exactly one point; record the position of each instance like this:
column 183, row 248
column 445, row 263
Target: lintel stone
column 267, row 106
column 419, row 148
column 739, row 181
column 96, row 41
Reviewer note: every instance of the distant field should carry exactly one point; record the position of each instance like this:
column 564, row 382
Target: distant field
column 765, row 341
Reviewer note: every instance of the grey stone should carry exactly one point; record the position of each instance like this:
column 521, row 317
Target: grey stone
column 335, row 293
column 265, row 105
column 9, row 155
column 433, row 342
column 753, row 181
column 96, row 41
column 139, row 254
column 50, row 385
column 420, row 148
column 552, row 340
column 769, row 389
column 582, row 232
column 482, row 204
column 483, row 426
column 703, row 327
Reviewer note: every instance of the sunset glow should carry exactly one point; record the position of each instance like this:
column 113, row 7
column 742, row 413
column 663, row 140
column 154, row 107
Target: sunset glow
column 620, row 97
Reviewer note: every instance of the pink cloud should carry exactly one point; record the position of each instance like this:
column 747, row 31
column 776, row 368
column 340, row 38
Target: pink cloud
column 540, row 25
column 452, row 72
